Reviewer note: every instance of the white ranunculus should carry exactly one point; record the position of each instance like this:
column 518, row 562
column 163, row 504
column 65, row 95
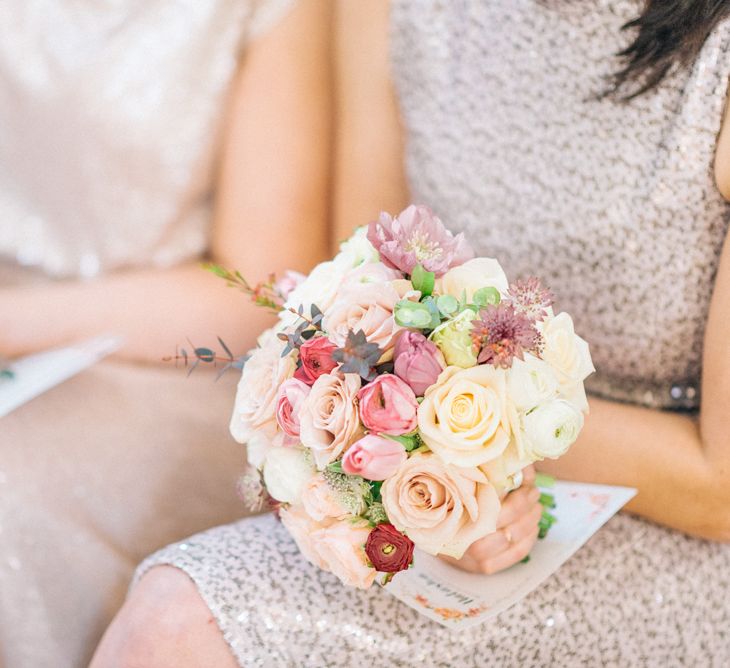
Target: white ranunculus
column 467, row 278
column 530, row 382
column 257, row 448
column 356, row 250
column 287, row 471
column 551, row 428
column 568, row 355
column 319, row 288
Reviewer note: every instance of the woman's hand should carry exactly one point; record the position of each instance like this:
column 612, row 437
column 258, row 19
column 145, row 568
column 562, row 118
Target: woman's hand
column 517, row 529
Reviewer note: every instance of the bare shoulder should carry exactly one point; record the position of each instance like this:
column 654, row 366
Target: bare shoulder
column 369, row 138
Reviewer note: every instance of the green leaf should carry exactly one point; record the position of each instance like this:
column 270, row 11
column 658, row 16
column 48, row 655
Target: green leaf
column 205, row 354
column 423, row 280
column 487, row 297
column 335, row 467
column 412, row 314
column 447, row 305
column 408, row 441
column 430, row 304
column 544, row 480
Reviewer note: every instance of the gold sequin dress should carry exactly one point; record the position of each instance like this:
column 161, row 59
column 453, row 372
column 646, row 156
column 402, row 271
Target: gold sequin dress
column 615, row 205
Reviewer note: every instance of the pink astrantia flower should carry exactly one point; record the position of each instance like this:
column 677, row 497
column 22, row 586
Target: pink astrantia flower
column 417, row 361
column 502, row 333
column 388, row 406
column 529, row 297
column 374, row 457
column 416, row 236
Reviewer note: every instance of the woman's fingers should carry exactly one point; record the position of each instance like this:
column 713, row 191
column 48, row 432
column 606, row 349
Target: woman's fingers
column 516, row 553
column 516, row 504
column 528, row 475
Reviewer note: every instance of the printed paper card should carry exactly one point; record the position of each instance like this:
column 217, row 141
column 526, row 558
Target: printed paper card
column 35, row 374
column 457, row 599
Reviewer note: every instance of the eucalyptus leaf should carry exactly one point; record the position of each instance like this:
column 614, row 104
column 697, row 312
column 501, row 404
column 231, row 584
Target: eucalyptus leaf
column 447, row 305
column 487, row 297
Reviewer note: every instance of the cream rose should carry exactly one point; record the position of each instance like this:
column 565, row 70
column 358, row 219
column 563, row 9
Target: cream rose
column 286, row 473
column 453, row 339
column 530, row 382
column 320, row 500
column 568, row 355
column 302, row 527
column 258, row 389
column 341, row 546
column 367, row 308
column 464, row 416
column 551, row 428
column 443, row 509
column 467, row 278
column 329, row 418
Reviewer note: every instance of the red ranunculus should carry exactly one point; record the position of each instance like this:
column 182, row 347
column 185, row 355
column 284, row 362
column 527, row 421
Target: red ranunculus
column 388, row 549
column 316, row 357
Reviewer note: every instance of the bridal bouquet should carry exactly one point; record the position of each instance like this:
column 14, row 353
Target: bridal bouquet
column 404, row 389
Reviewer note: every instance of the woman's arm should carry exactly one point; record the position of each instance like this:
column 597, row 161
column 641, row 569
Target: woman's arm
column 680, row 465
column 271, row 206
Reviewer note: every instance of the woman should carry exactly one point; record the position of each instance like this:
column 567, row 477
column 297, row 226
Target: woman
column 619, row 204
column 137, row 139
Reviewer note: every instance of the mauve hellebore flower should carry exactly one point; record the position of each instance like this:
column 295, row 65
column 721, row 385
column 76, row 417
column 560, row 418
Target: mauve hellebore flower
column 415, row 237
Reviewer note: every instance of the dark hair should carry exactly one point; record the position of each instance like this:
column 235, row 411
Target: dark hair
column 670, row 34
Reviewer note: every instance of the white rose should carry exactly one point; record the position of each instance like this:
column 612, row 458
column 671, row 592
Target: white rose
column 257, row 393
column 551, row 428
column 319, row 288
column 287, row 471
column 257, row 448
column 568, row 355
column 481, row 272
column 530, row 382
column 356, row 250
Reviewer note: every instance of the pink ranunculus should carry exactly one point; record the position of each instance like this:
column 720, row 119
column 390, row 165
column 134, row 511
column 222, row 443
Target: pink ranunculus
column 316, row 357
column 418, row 361
column 388, row 406
column 416, row 236
column 292, row 394
column 374, row 457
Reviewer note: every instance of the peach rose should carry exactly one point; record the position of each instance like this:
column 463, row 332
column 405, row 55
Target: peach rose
column 464, row 417
column 329, row 420
column 302, row 529
column 342, row 548
column 366, row 307
column 442, row 508
column 320, row 500
column 258, row 390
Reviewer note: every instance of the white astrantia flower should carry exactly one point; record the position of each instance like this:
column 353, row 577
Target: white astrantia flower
column 551, row 428
column 287, row 471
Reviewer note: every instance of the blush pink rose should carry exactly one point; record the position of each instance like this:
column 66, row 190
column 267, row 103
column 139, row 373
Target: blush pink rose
column 388, row 406
column 302, row 528
column 316, row 357
column 342, row 548
column 292, row 394
column 374, row 457
column 329, row 419
column 366, row 307
column 442, row 508
column 320, row 500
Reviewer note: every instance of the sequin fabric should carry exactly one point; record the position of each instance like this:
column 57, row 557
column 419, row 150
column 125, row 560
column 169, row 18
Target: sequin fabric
column 628, row 598
column 614, row 205
column 111, row 116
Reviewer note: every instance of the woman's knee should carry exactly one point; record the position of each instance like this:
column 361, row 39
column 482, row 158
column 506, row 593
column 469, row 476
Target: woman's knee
column 164, row 622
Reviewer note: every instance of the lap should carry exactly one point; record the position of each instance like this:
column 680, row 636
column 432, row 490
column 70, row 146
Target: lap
column 636, row 594
column 95, row 474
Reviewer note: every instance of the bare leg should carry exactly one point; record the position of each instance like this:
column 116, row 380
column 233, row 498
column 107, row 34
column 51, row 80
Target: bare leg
column 163, row 623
